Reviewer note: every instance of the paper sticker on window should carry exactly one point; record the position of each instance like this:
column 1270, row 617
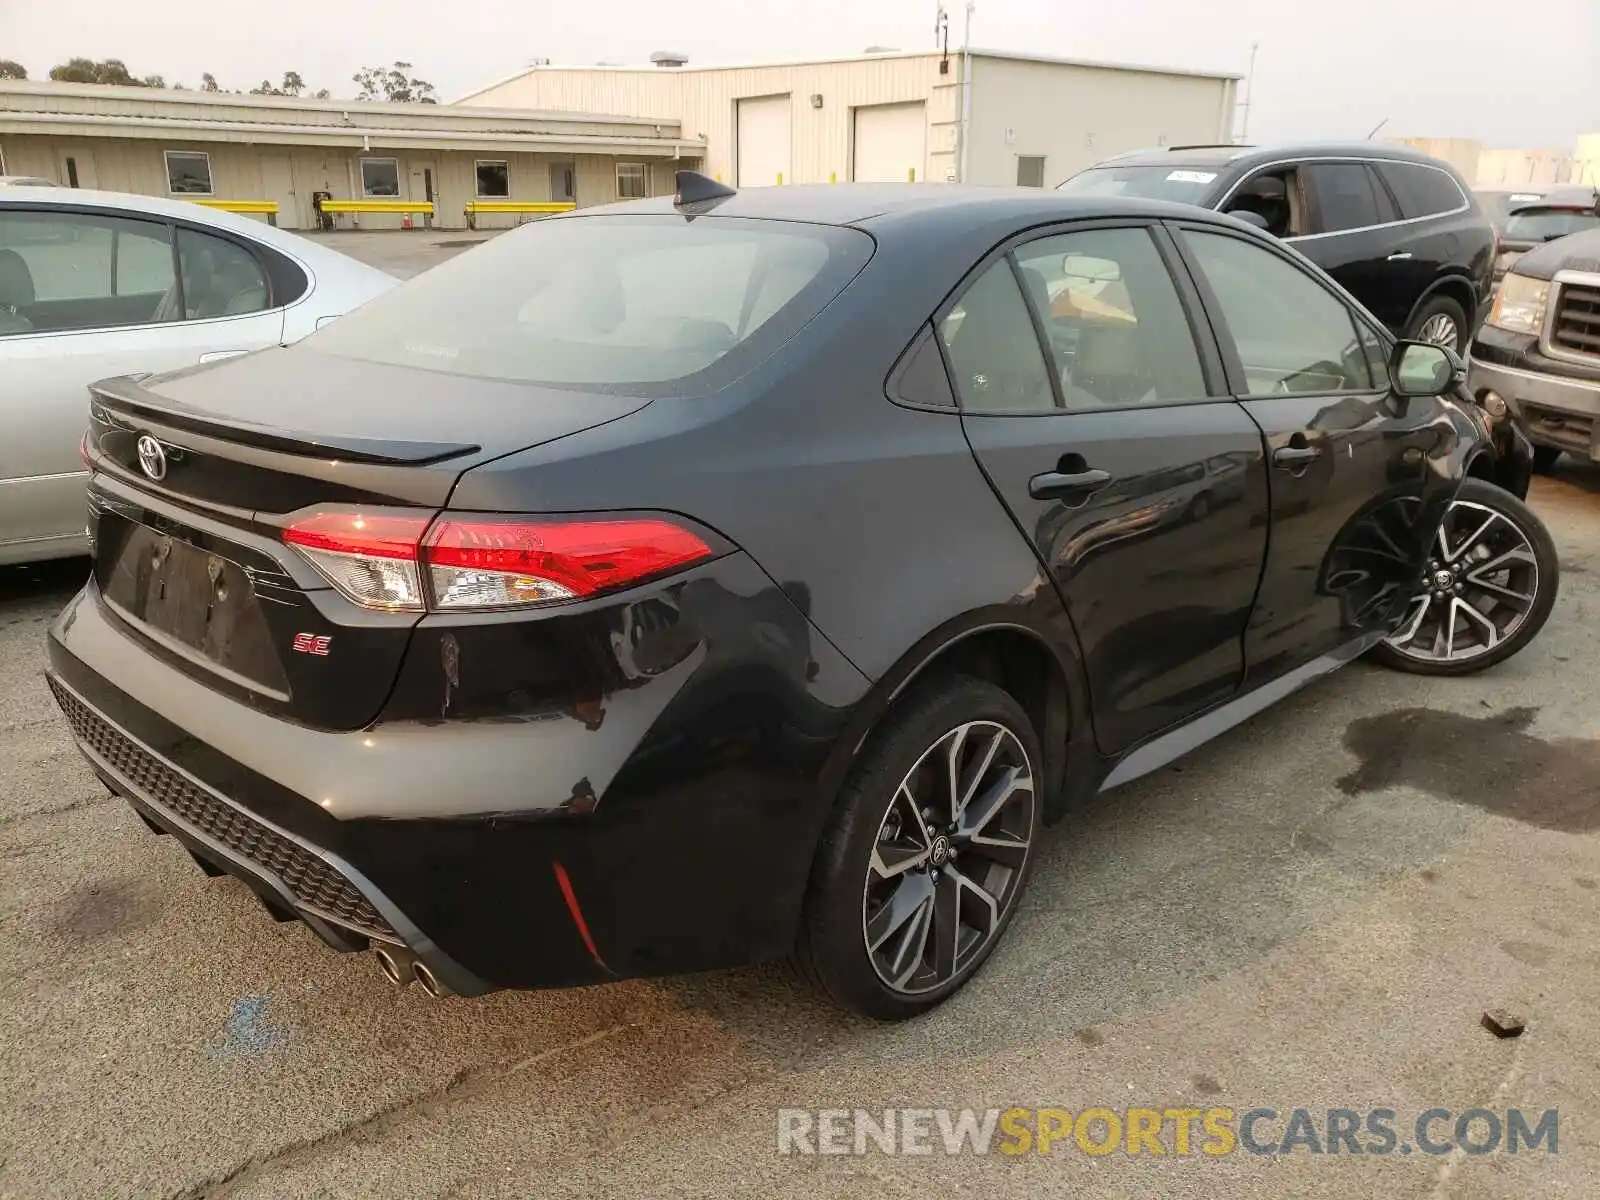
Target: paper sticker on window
column 1191, row 176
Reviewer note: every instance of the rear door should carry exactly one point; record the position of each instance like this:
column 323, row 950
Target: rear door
column 1097, row 407
column 1353, row 236
column 1358, row 477
column 85, row 295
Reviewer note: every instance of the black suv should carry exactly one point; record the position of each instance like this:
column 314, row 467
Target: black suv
column 1401, row 231
column 1538, row 353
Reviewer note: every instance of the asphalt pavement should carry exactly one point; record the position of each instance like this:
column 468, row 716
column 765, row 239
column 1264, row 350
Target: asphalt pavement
column 1312, row 912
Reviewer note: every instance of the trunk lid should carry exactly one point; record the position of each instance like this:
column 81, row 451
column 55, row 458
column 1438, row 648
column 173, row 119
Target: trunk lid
column 187, row 537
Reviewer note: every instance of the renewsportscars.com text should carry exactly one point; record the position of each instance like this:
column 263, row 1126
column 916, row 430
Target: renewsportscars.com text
column 1168, row 1131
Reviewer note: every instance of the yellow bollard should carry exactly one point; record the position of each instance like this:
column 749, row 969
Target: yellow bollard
column 911, row 175
column 833, row 177
column 780, row 178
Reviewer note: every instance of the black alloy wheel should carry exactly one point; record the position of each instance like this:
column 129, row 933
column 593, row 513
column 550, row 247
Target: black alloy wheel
column 1488, row 588
column 928, row 852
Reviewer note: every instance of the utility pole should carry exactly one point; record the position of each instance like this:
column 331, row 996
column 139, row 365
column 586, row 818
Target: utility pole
column 1249, row 94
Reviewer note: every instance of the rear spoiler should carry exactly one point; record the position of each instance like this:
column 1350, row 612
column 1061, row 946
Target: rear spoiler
column 122, row 401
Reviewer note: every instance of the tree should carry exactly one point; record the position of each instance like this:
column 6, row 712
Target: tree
column 208, row 83
column 10, row 69
column 395, row 84
column 322, row 94
column 112, row 71
column 293, row 85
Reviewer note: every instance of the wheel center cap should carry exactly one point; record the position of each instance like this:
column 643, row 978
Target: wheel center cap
column 1443, row 579
column 939, row 853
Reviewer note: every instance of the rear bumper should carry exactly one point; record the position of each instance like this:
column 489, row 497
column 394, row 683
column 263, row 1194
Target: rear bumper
column 668, row 828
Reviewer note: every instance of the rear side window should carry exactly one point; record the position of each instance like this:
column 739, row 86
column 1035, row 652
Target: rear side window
column 1422, row 191
column 220, row 278
column 642, row 304
column 993, row 348
column 1345, row 196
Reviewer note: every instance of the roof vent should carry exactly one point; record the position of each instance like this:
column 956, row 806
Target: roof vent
column 669, row 58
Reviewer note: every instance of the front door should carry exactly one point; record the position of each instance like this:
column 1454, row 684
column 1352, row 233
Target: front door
column 1140, row 483
column 1358, row 478
column 424, row 172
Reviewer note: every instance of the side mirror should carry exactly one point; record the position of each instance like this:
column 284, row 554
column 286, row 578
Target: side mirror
column 1250, row 217
column 1423, row 369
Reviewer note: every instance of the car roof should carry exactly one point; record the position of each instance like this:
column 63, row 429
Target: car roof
column 1252, row 156
column 26, row 181
column 1567, row 196
column 861, row 203
column 304, row 249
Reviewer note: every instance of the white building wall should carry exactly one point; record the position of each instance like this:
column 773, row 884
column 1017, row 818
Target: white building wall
column 1586, row 160
column 1076, row 116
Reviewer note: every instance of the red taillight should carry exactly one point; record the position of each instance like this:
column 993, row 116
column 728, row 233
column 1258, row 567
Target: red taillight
column 375, row 535
column 379, row 559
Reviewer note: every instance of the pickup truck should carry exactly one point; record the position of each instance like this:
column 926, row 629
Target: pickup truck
column 1537, row 355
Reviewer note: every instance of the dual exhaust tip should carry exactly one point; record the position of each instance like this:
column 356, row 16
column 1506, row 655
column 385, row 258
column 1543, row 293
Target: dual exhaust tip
column 400, row 967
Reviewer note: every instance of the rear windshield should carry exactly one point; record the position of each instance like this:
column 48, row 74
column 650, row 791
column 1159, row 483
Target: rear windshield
column 651, row 305
column 1547, row 224
column 1187, row 185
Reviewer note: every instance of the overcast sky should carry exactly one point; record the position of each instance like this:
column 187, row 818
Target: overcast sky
column 1511, row 74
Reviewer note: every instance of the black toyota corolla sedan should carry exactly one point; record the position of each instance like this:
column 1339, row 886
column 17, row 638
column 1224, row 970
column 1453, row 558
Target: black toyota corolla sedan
column 731, row 576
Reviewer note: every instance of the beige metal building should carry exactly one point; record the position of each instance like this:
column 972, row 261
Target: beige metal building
column 260, row 150
column 984, row 116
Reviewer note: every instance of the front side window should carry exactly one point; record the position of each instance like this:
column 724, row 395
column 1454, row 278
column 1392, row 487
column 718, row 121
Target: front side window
column 67, row 271
column 220, row 278
column 1345, row 196
column 1293, row 336
column 993, row 348
column 380, row 178
column 642, row 305
column 633, row 181
column 188, row 173
column 1422, row 191
column 1118, row 333
column 494, row 179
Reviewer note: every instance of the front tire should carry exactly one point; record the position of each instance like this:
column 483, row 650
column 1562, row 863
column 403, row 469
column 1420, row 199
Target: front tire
column 927, row 853
column 1490, row 586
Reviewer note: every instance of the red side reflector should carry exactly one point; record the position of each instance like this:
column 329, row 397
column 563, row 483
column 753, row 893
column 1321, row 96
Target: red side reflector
column 582, row 556
column 382, row 535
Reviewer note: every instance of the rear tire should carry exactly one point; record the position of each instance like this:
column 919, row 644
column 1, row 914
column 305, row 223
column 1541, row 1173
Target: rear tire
column 1503, row 577
column 1545, row 458
column 912, row 888
column 1442, row 321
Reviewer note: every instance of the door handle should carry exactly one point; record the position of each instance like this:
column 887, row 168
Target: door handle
column 1065, row 485
column 212, row 356
column 1403, row 254
column 1289, row 458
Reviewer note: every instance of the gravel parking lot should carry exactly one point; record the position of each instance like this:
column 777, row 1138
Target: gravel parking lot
column 1313, row 911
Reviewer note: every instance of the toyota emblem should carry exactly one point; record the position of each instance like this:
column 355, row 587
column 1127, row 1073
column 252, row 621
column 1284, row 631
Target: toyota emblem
column 152, row 458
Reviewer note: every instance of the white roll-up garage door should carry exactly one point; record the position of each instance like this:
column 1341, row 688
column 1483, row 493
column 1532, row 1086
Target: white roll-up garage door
column 763, row 141
column 891, row 143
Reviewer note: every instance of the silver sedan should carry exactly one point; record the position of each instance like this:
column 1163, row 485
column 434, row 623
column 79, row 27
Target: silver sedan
column 96, row 284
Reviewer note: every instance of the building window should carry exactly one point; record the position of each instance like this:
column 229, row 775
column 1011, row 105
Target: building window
column 188, row 173
column 380, row 177
column 633, row 181
column 494, row 179
column 1030, row 170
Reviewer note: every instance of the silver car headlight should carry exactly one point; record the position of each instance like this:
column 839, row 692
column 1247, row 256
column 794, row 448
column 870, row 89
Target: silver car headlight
column 1519, row 304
